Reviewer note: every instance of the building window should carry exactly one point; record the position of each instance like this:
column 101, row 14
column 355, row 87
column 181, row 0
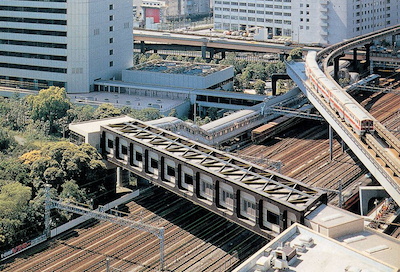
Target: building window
column 249, row 207
column 96, row 31
column 154, row 163
column 111, row 7
column 124, row 150
column 206, row 188
column 188, row 179
column 111, row 40
column 227, row 197
column 272, row 218
column 170, row 171
column 138, row 156
column 111, row 28
column 111, row 52
column 110, row 143
column 111, row 17
column 111, row 63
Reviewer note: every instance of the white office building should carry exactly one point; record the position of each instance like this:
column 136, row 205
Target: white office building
column 66, row 43
column 307, row 21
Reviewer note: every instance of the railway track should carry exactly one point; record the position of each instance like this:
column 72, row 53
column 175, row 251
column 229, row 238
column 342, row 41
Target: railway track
column 194, row 239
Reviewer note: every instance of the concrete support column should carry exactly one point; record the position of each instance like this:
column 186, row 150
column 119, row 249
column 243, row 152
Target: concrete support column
column 204, row 51
column 119, row 176
column 142, row 47
column 330, row 143
column 367, row 54
column 211, row 53
column 336, row 68
column 223, row 54
column 355, row 59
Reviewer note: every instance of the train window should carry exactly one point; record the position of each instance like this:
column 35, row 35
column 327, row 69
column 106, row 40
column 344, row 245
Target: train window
column 153, row 163
column 188, row 179
column 206, row 188
column 249, row 207
column 110, row 143
column 124, row 150
column 227, row 197
column 272, row 218
column 139, row 156
column 170, row 171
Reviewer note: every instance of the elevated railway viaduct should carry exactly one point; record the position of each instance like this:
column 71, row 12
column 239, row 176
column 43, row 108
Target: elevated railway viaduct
column 379, row 149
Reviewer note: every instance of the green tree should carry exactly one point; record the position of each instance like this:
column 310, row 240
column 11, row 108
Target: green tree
column 14, row 113
column 173, row 113
column 81, row 113
column 147, row 114
column 259, row 86
column 12, row 169
column 295, row 53
column 256, row 71
column 154, row 56
column 106, row 110
column 212, row 113
column 49, row 105
column 14, row 200
column 59, row 162
column 5, row 140
column 199, row 60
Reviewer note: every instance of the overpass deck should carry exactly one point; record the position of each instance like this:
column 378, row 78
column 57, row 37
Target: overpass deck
column 296, row 70
column 261, row 200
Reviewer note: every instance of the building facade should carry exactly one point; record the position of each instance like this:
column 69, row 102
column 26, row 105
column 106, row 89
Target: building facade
column 66, row 43
column 307, row 21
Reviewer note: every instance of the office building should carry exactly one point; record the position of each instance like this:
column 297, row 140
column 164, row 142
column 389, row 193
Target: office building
column 64, row 43
column 307, row 21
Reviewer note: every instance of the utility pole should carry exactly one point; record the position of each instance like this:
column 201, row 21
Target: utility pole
column 47, row 208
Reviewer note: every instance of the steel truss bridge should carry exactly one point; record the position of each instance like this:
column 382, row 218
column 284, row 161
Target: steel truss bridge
column 260, row 200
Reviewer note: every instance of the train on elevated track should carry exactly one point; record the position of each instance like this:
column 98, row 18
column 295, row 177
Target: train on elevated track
column 342, row 103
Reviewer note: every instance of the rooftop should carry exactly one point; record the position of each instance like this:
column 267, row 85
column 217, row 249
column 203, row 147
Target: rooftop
column 84, row 128
column 316, row 252
column 179, row 67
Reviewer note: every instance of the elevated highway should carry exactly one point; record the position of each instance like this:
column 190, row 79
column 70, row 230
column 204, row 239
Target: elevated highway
column 379, row 151
column 161, row 40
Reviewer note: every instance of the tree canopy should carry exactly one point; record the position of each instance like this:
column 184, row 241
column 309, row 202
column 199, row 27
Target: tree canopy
column 14, row 200
column 49, row 105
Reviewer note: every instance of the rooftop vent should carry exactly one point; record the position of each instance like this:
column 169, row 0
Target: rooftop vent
column 354, row 239
column 331, row 217
column 376, row 249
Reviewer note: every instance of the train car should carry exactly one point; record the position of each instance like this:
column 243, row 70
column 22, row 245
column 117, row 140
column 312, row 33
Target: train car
column 348, row 110
column 338, row 102
column 270, row 129
column 358, row 120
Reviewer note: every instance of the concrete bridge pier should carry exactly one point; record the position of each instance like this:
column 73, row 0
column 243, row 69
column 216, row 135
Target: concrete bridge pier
column 368, row 54
column 142, row 47
column 355, row 64
column 204, row 51
column 394, row 43
column 275, row 78
column 336, row 68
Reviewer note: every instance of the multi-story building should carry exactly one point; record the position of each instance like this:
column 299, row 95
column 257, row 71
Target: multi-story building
column 307, row 21
column 64, row 43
